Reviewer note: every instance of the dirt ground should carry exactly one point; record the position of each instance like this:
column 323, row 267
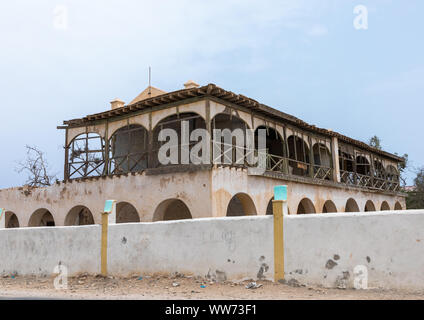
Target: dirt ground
column 179, row 286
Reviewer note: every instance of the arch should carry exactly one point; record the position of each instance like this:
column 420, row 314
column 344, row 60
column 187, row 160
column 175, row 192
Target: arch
column 126, row 213
column 12, row 220
column 385, row 206
column 86, row 156
column 274, row 141
column 269, row 208
column 306, row 206
column 79, row 216
column 345, row 161
column 228, row 152
column 241, row 205
column 362, row 165
column 41, row 218
column 195, row 121
column 171, row 113
column 172, row 209
column 322, row 161
column 392, row 173
column 322, row 156
column 379, row 170
column 128, row 151
column 369, row 206
column 299, row 155
column 398, row 206
column 351, row 206
column 329, row 206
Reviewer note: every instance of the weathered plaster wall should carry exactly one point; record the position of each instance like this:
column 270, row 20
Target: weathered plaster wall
column 227, row 182
column 144, row 192
column 319, row 249
column 206, row 193
column 389, row 244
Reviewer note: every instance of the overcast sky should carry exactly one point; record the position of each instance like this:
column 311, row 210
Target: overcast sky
column 65, row 59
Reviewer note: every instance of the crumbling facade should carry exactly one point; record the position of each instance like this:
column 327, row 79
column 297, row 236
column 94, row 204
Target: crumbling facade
column 114, row 155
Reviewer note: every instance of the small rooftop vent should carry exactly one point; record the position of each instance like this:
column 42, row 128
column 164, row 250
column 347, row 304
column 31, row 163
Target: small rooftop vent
column 190, row 84
column 117, row 103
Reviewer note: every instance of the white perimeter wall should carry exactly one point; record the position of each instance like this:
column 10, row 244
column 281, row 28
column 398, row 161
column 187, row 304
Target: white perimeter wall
column 319, row 249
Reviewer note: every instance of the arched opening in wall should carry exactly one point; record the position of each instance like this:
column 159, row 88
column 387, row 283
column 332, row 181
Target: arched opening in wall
column 346, row 164
column 173, row 146
column 86, row 156
column 79, row 216
column 393, row 176
column 369, row 206
column 351, row 206
column 172, row 209
column 269, row 208
column 329, row 207
column 11, row 220
column 305, row 206
column 241, row 205
column 362, row 165
column 298, row 155
column 322, row 162
column 379, row 171
column 229, row 147
column 126, row 213
column 41, row 218
column 398, row 206
column 274, row 141
column 128, row 150
column 385, row 206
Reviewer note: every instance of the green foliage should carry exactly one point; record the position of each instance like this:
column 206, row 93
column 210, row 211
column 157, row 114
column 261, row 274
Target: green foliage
column 415, row 199
column 375, row 142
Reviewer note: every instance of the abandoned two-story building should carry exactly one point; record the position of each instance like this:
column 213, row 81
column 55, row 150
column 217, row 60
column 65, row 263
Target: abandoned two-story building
column 114, row 155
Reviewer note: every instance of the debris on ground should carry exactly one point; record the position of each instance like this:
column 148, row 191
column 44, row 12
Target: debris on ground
column 175, row 284
column 253, row 285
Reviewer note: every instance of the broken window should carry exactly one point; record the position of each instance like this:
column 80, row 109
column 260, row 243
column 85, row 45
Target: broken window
column 274, row 148
column 86, row 156
column 233, row 152
column 128, row 149
column 173, row 122
column 322, row 161
column 298, row 155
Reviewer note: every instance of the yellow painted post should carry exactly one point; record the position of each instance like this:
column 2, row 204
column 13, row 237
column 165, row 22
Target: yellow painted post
column 104, row 243
column 109, row 212
column 279, row 208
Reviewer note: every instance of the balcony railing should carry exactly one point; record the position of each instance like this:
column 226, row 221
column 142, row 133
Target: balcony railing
column 377, row 183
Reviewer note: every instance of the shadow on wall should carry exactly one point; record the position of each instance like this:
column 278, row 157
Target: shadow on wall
column 351, row 206
column 306, row 206
column 241, row 205
column 11, row 220
column 126, row 213
column 79, row 216
column 41, row 218
column 172, row 209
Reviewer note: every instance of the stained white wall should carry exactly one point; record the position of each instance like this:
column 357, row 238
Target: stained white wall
column 319, row 249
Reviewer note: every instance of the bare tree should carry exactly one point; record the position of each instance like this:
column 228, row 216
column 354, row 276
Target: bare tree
column 37, row 168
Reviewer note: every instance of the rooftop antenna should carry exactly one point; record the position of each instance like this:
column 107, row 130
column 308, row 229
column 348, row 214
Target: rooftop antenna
column 150, row 80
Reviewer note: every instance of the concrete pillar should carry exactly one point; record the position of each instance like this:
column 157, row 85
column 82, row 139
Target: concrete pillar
column 335, row 155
